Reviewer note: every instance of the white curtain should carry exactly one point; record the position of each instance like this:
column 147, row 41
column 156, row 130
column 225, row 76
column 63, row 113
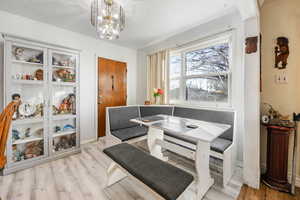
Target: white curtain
column 157, row 66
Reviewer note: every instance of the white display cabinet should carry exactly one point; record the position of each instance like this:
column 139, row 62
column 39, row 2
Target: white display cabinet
column 46, row 124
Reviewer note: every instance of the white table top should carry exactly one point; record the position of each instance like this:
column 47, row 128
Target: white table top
column 206, row 131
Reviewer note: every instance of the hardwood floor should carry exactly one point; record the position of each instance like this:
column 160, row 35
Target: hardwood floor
column 266, row 193
column 82, row 177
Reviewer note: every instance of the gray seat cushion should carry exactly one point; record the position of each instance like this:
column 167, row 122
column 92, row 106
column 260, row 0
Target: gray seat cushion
column 223, row 117
column 165, row 179
column 156, row 110
column 130, row 133
column 219, row 145
column 120, row 117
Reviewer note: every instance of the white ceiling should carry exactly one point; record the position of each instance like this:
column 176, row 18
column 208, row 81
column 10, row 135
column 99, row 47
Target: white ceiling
column 146, row 20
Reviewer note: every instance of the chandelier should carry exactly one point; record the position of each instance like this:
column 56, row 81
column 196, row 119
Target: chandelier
column 108, row 18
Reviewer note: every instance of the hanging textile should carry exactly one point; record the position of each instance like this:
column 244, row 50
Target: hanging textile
column 156, row 75
column 5, row 122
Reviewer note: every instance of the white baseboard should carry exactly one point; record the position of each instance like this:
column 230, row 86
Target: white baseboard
column 87, row 141
column 263, row 168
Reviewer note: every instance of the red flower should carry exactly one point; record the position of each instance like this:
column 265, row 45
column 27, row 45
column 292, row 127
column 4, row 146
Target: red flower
column 160, row 91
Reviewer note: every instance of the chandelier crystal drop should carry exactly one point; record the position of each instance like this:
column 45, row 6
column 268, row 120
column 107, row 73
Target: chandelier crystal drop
column 108, row 18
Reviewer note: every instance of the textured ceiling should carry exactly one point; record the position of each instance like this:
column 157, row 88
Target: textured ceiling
column 146, row 20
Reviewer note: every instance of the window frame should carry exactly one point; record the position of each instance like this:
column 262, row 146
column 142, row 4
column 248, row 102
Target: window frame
column 224, row 38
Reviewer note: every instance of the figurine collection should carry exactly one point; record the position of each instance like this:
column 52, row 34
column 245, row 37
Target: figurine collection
column 63, row 75
column 27, row 110
column 28, row 150
column 38, row 75
column 64, row 142
column 67, row 105
column 19, row 55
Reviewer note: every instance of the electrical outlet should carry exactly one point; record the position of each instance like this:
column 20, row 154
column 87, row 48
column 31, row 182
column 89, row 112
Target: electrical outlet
column 277, row 78
column 284, row 78
column 281, row 78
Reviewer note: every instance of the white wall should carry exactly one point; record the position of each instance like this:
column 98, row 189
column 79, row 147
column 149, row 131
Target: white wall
column 283, row 97
column 24, row 27
column 230, row 21
column 252, row 109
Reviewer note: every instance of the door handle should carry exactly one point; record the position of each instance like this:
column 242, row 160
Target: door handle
column 112, row 82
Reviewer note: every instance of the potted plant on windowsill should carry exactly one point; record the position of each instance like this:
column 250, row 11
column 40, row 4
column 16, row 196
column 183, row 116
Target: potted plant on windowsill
column 157, row 93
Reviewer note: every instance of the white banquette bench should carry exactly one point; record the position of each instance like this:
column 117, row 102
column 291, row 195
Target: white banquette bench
column 223, row 149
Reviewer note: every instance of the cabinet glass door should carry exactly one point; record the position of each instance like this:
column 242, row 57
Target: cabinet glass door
column 63, row 101
column 63, row 67
column 27, row 82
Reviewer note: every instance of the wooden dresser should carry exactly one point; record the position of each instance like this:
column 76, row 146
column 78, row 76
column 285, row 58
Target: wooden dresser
column 277, row 157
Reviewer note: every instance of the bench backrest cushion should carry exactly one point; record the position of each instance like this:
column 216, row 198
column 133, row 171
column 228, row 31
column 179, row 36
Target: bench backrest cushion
column 119, row 117
column 223, row 117
column 156, row 110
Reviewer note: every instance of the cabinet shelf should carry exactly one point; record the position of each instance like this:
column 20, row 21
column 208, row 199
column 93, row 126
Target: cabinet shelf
column 63, row 117
column 30, row 139
column 30, row 82
column 64, row 83
column 27, row 121
column 62, row 133
column 63, row 67
column 28, row 63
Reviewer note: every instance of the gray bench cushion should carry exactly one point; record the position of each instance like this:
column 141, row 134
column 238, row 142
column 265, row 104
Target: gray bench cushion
column 163, row 178
column 219, row 145
column 120, row 117
column 156, row 110
column 222, row 117
column 130, row 133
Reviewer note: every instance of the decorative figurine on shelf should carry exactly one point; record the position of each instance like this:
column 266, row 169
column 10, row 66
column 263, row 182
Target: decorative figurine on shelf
column 19, row 54
column 39, row 132
column 39, row 110
column 68, row 105
column 40, row 57
column 55, row 110
column 33, row 149
column 274, row 116
column 64, row 107
column 27, row 132
column 16, row 97
column 282, row 52
column 15, row 135
column 157, row 93
column 39, row 75
column 72, row 103
column 57, row 129
column 63, row 75
column 54, row 61
column 17, row 154
column 34, row 60
column 62, row 143
column 27, row 110
column 68, row 127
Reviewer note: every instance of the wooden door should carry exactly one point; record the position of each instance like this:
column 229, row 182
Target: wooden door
column 112, row 88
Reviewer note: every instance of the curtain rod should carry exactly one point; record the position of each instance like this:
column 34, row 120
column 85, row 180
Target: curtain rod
column 200, row 39
column 177, row 46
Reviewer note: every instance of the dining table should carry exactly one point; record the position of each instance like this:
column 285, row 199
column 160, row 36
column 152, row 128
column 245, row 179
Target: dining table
column 184, row 129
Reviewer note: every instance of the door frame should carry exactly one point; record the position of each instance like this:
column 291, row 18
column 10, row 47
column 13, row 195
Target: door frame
column 96, row 57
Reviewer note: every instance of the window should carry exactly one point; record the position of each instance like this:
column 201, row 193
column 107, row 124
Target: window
column 201, row 74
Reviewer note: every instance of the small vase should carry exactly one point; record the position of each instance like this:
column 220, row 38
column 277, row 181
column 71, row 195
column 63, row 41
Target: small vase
column 157, row 100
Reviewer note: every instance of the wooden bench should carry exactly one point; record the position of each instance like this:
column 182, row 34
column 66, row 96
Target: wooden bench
column 165, row 180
